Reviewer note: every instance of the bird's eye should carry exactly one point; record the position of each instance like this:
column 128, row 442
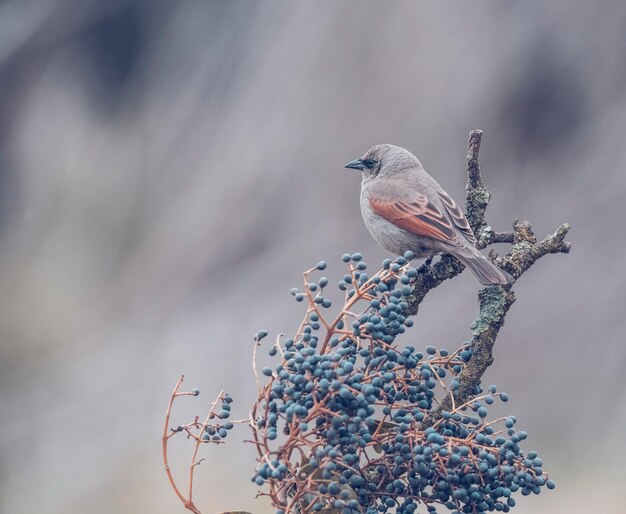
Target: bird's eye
column 369, row 163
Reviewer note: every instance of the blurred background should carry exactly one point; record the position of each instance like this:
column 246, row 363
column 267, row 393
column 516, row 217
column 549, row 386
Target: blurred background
column 168, row 170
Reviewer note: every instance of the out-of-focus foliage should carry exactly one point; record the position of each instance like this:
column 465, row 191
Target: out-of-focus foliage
column 166, row 167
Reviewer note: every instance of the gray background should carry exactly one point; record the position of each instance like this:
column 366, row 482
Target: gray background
column 167, row 170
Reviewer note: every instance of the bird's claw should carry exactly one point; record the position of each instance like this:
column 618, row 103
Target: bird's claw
column 427, row 265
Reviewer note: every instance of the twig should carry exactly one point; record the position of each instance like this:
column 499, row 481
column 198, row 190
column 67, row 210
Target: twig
column 478, row 195
column 194, row 463
column 188, row 429
column 490, row 236
column 187, row 503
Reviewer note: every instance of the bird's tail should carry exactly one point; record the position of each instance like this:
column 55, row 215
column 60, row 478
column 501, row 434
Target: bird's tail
column 486, row 272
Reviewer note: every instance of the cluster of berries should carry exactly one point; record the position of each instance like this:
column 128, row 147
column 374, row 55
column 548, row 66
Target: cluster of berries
column 349, row 420
column 216, row 432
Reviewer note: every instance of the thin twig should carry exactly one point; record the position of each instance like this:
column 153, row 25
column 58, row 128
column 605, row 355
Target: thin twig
column 165, row 439
column 194, row 463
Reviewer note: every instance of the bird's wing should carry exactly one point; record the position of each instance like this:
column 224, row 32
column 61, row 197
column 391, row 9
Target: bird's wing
column 415, row 214
column 457, row 217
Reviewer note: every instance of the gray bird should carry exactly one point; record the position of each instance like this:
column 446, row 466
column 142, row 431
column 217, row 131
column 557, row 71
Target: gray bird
column 404, row 208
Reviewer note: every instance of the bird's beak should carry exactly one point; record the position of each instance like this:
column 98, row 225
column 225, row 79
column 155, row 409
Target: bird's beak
column 357, row 164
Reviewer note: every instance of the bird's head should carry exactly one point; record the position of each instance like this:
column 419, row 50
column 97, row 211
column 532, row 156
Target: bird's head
column 384, row 160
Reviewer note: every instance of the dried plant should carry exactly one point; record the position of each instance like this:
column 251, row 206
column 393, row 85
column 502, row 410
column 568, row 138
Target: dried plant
column 349, row 421
column 207, row 431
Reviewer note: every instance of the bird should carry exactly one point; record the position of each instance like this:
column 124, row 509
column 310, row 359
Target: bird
column 405, row 209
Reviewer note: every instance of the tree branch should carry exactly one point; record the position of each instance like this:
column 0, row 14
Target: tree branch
column 494, row 301
column 478, row 195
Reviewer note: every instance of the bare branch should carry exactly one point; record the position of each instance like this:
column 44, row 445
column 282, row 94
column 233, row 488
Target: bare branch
column 494, row 301
column 196, row 430
column 165, row 440
column 478, row 195
column 490, row 236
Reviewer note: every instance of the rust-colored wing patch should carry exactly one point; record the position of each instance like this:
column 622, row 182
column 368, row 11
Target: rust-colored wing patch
column 457, row 216
column 419, row 217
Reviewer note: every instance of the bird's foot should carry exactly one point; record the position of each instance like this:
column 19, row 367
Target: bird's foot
column 427, row 265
